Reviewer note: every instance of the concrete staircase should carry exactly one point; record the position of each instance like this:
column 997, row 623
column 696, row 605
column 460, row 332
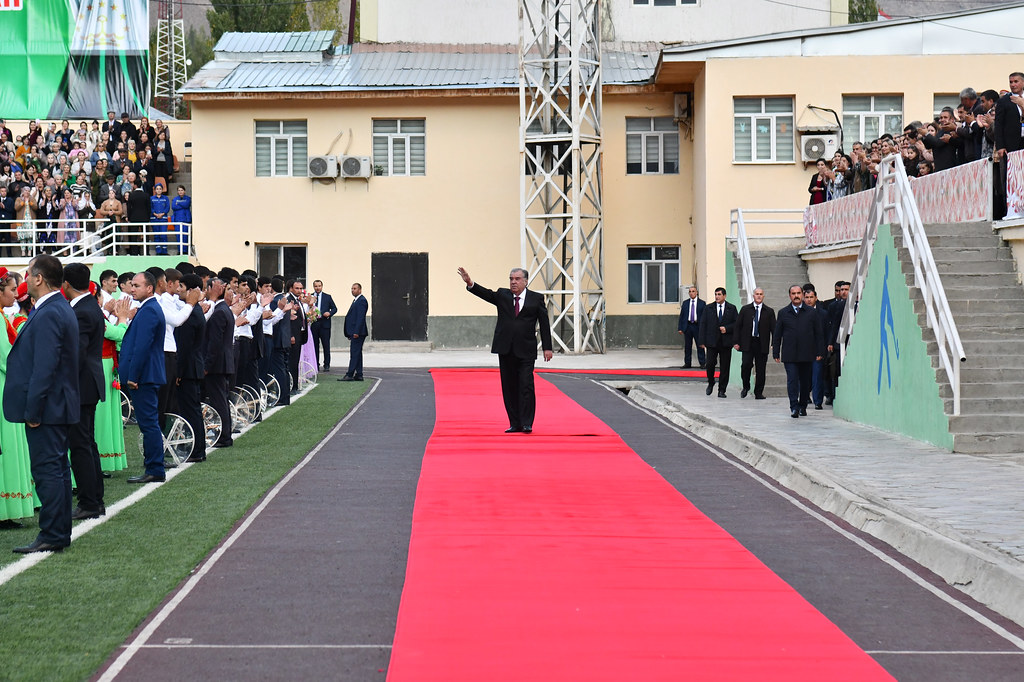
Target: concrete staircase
column 986, row 298
column 777, row 266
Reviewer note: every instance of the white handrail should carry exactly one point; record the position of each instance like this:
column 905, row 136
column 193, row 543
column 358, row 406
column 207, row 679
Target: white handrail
column 739, row 230
column 101, row 240
column 893, row 196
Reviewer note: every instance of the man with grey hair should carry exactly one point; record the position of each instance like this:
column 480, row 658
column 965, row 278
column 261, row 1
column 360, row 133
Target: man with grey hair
column 520, row 311
column 755, row 325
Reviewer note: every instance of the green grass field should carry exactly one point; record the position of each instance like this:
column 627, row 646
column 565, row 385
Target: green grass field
column 61, row 619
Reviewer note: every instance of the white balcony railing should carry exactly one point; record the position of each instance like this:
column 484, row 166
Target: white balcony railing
column 91, row 237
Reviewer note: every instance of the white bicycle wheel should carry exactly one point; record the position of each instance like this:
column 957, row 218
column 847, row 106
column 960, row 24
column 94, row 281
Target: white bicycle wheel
column 127, row 412
column 213, row 426
column 273, row 392
column 241, row 414
column 264, row 397
column 178, row 439
column 307, row 375
column 253, row 400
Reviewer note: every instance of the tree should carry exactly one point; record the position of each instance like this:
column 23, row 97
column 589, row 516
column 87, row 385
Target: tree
column 863, row 10
column 198, row 49
column 248, row 16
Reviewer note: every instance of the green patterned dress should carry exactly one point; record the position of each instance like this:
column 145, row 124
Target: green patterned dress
column 17, row 492
column 109, row 425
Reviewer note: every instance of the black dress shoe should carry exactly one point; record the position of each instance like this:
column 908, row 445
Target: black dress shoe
column 686, row 366
column 79, row 514
column 195, row 458
column 229, row 444
column 513, row 429
column 794, row 414
column 818, row 406
column 803, row 411
column 721, row 394
column 527, row 429
column 346, row 378
column 39, row 546
column 759, row 397
column 744, row 392
column 828, row 401
column 711, row 387
column 11, row 524
column 146, row 478
column 107, row 474
column 358, row 378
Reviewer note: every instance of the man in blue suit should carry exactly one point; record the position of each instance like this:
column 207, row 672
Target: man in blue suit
column 42, row 393
column 321, row 329
column 799, row 343
column 355, row 332
column 689, row 325
column 142, row 369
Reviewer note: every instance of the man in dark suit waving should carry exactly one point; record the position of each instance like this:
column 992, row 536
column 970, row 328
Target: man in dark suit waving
column 717, row 327
column 42, row 392
column 798, row 343
column 753, row 338
column 321, row 328
column 85, row 457
column 355, row 332
column 515, row 342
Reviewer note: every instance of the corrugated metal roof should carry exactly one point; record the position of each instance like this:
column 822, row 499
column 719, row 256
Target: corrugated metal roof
column 400, row 70
column 251, row 43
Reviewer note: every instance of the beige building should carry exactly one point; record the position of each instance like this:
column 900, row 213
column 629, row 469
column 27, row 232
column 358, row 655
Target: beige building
column 435, row 130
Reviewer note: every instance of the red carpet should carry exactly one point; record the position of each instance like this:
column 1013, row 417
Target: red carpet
column 692, row 373
column 562, row 555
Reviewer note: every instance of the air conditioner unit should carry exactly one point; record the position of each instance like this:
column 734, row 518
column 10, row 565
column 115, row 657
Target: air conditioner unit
column 814, row 146
column 356, row 167
column 323, row 166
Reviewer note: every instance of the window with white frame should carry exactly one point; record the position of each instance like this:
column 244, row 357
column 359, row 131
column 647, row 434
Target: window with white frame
column 287, row 260
column 399, row 146
column 281, row 149
column 941, row 101
column 652, row 146
column 868, row 117
column 653, row 274
column 762, row 129
column 665, row 3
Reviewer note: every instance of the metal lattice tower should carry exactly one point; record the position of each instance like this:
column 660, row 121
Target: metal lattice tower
column 170, row 55
column 560, row 150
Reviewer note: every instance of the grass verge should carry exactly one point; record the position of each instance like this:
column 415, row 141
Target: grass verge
column 61, row 619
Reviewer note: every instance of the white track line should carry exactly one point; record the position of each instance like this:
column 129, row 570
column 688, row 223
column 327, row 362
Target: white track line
column 133, row 648
column 882, row 556
column 21, row 565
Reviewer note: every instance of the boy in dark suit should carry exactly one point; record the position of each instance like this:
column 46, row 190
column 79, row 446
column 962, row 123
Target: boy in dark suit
column 515, row 342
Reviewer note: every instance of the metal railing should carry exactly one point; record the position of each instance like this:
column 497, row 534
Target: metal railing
column 739, row 218
column 86, row 238
column 893, row 197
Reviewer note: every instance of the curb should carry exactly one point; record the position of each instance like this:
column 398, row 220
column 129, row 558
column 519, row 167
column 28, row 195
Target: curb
column 985, row 574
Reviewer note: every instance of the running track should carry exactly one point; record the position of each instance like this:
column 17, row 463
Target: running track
column 311, row 585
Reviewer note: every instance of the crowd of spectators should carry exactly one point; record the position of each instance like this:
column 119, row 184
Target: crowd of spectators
column 73, row 181
column 954, row 137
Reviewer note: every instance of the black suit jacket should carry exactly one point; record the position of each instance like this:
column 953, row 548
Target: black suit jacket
column 283, row 329
column 42, row 369
column 326, row 306
column 744, row 333
column 1007, row 125
column 91, row 326
column 190, row 337
column 684, row 313
column 517, row 335
column 798, row 336
column 300, row 330
column 709, row 335
column 945, row 154
column 220, row 333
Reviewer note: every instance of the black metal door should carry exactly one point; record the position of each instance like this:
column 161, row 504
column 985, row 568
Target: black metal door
column 399, row 305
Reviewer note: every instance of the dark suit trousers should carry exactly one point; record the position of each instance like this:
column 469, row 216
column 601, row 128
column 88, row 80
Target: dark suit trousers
column 294, row 355
column 85, row 460
column 145, row 400
column 165, row 397
column 189, row 393
column 47, row 451
column 723, row 357
column 690, row 340
column 279, row 368
column 267, row 358
column 246, row 368
column 355, row 357
column 798, row 383
column 216, row 386
column 322, row 336
column 517, row 390
column 758, row 361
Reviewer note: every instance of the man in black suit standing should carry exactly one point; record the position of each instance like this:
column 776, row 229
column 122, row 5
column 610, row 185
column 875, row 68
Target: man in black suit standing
column 689, row 324
column 321, row 329
column 520, row 311
column 281, row 344
column 1009, row 133
column 219, row 357
column 191, row 363
column 753, row 338
column 42, row 392
column 717, row 327
column 798, row 343
column 299, row 331
column 85, row 457
column 355, row 332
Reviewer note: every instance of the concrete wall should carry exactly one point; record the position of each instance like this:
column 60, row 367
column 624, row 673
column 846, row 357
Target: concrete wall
column 897, row 392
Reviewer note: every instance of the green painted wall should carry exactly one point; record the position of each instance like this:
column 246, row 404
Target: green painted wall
column 121, row 264
column 906, row 400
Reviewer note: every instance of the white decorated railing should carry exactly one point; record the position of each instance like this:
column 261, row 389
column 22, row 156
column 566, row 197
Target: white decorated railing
column 893, row 195
column 27, row 238
column 837, row 221
column 1015, row 185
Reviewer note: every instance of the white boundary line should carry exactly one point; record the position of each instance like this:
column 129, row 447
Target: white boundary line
column 133, row 648
column 882, row 556
column 15, row 569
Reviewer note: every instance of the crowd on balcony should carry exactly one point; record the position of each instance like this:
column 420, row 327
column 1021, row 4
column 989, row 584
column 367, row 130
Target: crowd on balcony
column 972, row 131
column 58, row 183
